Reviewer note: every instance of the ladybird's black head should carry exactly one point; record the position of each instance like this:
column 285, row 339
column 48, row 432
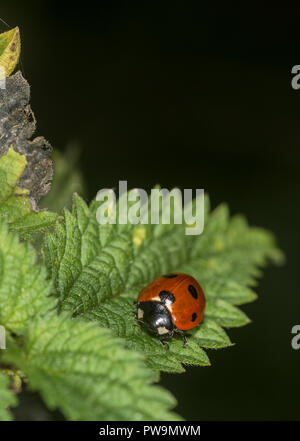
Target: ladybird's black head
column 156, row 317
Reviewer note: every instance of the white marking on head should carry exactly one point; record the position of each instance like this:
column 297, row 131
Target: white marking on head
column 162, row 330
column 140, row 313
column 169, row 307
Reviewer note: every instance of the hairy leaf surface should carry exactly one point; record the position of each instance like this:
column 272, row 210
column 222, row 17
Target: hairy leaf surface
column 98, row 271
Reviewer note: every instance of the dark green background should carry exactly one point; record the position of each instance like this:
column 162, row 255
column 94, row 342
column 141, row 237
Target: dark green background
column 195, row 97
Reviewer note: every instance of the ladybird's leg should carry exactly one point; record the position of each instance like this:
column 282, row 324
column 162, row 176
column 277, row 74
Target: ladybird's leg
column 169, row 335
column 183, row 337
column 164, row 343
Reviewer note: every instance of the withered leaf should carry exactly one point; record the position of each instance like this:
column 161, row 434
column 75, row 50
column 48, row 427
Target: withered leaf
column 17, row 126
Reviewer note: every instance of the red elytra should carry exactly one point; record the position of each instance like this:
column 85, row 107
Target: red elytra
column 171, row 303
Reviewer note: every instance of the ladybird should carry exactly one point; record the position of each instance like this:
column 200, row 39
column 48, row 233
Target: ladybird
column 171, row 303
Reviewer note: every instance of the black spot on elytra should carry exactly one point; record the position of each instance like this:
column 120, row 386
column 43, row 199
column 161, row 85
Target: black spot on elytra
column 166, row 296
column 193, row 291
column 169, row 276
column 194, row 316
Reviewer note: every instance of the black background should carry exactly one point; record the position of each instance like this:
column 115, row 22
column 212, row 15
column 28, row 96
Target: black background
column 195, row 96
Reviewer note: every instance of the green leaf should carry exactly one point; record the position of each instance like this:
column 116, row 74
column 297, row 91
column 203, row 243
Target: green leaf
column 10, row 48
column 228, row 256
column 211, row 335
column 23, row 289
column 229, row 290
column 225, row 314
column 6, row 398
column 118, row 315
column 85, row 372
column 15, row 207
column 76, row 366
column 98, row 270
